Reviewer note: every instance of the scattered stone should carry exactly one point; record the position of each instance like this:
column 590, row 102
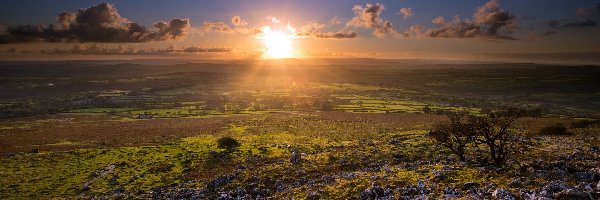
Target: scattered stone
column 279, row 186
column 475, row 193
column 531, row 195
column 313, row 196
column 503, row 194
column 219, row 181
column 389, row 193
column 489, row 188
column 581, row 177
column 372, row 193
column 450, row 192
column 328, row 179
column 573, row 194
column 113, row 180
column 595, row 149
column 438, row 175
column 585, row 187
column 349, row 175
column 517, row 182
column 296, row 157
column 99, row 174
column 553, row 188
column 395, row 141
column 596, row 172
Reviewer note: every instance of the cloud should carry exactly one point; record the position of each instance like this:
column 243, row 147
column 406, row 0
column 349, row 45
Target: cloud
column 238, row 21
column 223, row 27
column 195, row 49
column 588, row 17
column 587, row 22
column 548, row 33
column 216, row 27
column 66, row 18
column 413, row 31
column 493, row 19
column 489, row 21
column 406, row 12
column 315, row 29
column 312, row 27
column 337, row 35
column 369, row 17
column 238, row 27
column 174, row 30
column 122, row 49
column 535, row 36
column 99, row 23
column 335, row 20
column 273, row 19
column 553, row 23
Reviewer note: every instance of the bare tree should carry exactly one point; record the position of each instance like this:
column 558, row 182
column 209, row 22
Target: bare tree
column 493, row 131
column 454, row 135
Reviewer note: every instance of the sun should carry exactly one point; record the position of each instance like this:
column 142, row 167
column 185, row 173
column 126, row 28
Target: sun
column 278, row 44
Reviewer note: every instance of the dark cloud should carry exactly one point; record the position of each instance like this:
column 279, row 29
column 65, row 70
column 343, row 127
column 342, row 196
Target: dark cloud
column 488, row 21
column 173, row 30
column 548, row 33
column 587, row 22
column 369, row 16
column 588, row 17
column 99, row 23
column 553, row 23
column 99, row 49
column 535, row 36
column 315, row 29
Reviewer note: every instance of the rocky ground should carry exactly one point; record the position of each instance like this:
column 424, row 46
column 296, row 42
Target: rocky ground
column 310, row 156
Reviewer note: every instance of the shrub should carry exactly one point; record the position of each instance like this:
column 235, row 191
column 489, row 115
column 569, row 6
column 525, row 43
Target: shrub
column 490, row 134
column 584, row 123
column 427, row 109
column 556, row 129
column 454, row 135
column 495, row 132
column 228, row 143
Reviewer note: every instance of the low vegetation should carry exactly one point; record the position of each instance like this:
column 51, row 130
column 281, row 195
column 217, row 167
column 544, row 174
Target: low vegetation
column 556, row 129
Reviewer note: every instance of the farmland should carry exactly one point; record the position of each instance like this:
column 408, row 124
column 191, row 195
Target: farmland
column 90, row 129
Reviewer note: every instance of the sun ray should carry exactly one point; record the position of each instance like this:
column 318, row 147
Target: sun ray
column 278, row 44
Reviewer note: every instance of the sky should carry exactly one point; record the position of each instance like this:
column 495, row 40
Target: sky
column 308, row 28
